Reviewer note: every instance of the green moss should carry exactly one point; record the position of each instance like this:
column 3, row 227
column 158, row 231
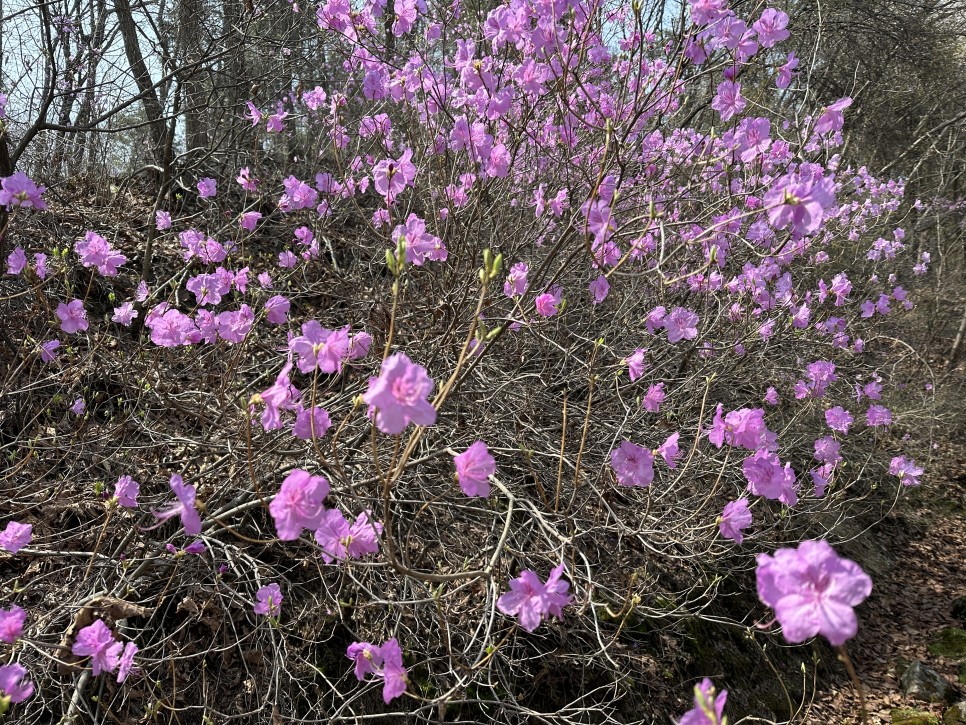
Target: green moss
column 951, row 643
column 913, row 717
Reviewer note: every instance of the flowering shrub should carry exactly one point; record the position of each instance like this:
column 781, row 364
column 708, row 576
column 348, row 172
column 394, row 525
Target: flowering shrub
column 598, row 247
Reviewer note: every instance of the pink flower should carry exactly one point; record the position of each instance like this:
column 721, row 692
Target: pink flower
column 311, row 423
column 19, row 190
column 367, row 658
column 280, row 396
column 767, row 477
column 298, row 504
column 635, row 364
column 48, row 350
column 11, row 624
column 878, row 415
column 786, row 71
column 771, row 396
column 269, row 600
column 125, row 314
column 287, row 259
column 126, row 491
column 708, row 706
column 249, row 220
column 125, row 664
column 162, row 220
column 97, row 642
column 394, row 675
column 531, row 601
column 246, row 181
column 800, row 202
column 906, row 469
column 319, row 347
column 12, row 683
column 546, row 304
column 669, row 450
column 839, row 419
column 633, row 465
column 813, row 591
column 655, row 396
column 599, row 289
column 735, row 517
column 95, row 251
column 771, row 27
column 16, row 261
column 340, row 541
column 516, row 281
column 185, row 507
column 207, row 188
column 728, row 101
column 832, row 119
column 681, row 324
column 399, row 395
column 78, row 407
column 474, row 466
column 391, row 176
column 73, row 316
column 15, row 536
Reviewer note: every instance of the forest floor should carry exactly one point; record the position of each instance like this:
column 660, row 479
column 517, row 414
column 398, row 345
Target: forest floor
column 922, row 572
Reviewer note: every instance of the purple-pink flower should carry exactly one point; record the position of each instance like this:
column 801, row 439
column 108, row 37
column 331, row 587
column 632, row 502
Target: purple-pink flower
column 839, row 419
column 728, row 101
column 16, row 261
column 735, row 517
column 832, row 119
column 11, row 624
column 681, row 324
column 73, row 316
column 878, row 416
column 771, row 27
column 531, row 601
column 125, row 664
column 311, row 423
column 384, row 662
column 367, row 658
column 97, row 642
column 669, row 450
column 207, row 188
column 399, row 395
column 126, row 491
column 516, row 281
column 276, row 309
column 20, row 190
column 800, row 202
column 394, row 675
column 654, row 397
column 95, row 251
column 906, row 469
column 269, row 600
column 632, row 464
column 813, row 591
column 708, row 706
column 340, row 541
column 15, row 536
column 474, row 466
column 184, row 507
column 13, row 684
column 320, row 348
column 767, row 477
column 125, row 314
column 298, row 504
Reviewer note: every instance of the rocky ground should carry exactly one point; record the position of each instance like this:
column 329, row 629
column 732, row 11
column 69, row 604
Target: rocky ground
column 910, row 652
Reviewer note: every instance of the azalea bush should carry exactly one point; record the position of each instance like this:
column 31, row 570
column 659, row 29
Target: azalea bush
column 571, row 311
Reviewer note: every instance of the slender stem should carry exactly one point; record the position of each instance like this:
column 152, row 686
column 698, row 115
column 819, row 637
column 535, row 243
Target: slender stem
column 856, row 682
